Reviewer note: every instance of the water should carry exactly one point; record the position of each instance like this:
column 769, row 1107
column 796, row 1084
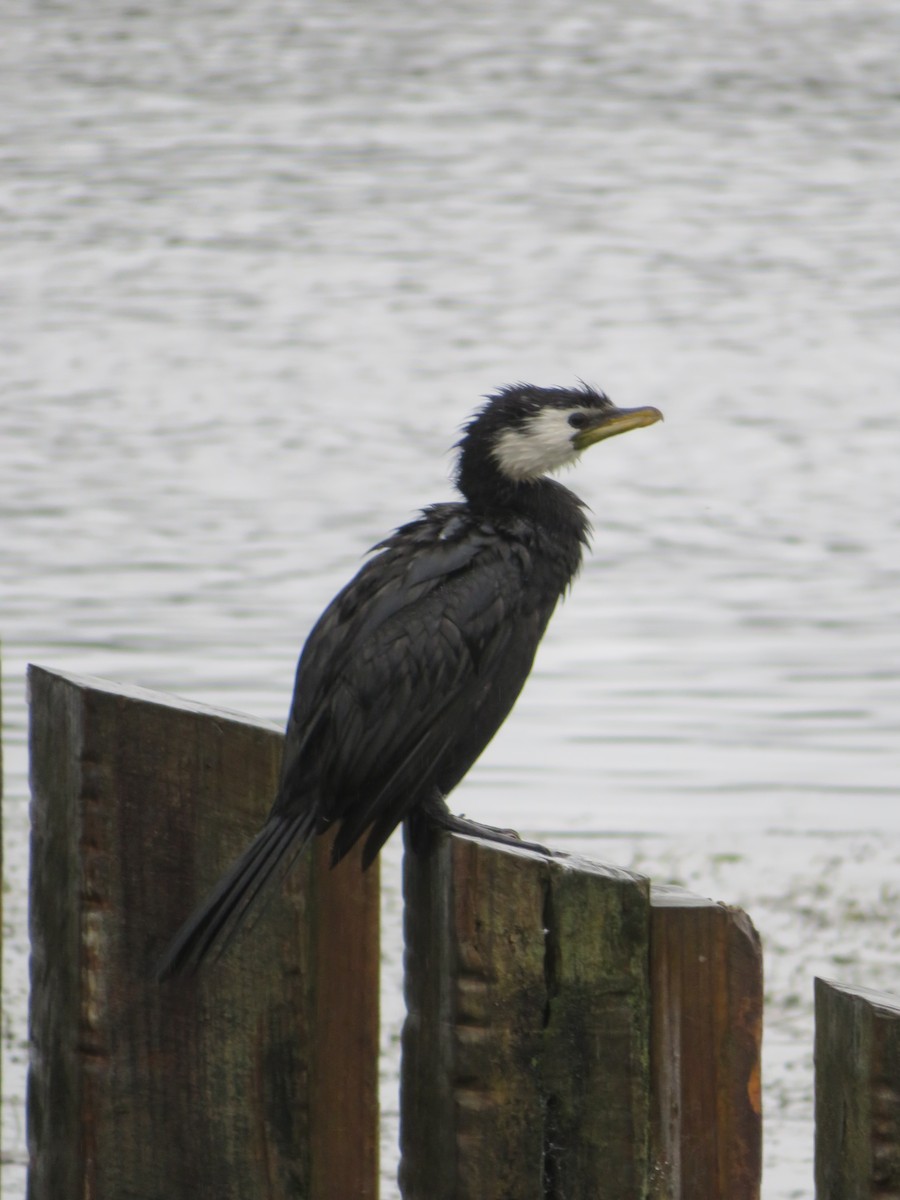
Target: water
column 258, row 263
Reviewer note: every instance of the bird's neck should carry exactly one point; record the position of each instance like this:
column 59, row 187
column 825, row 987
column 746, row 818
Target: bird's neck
column 542, row 502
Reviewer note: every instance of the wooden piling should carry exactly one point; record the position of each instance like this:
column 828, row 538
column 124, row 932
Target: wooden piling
column 569, row 1034
column 706, row 985
column 525, row 1048
column 2, row 874
column 257, row 1078
column 857, row 1093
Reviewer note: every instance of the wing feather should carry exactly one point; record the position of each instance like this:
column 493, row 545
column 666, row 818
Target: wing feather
column 406, row 678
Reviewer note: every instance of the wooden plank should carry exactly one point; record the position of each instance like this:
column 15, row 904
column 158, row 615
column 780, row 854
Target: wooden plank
column 257, row 1077
column 2, row 875
column 857, row 1093
column 524, row 1071
column 706, row 985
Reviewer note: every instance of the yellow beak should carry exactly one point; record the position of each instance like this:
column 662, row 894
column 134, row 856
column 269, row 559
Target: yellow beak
column 613, row 421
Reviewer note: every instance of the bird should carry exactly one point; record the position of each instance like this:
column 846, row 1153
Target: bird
column 416, row 663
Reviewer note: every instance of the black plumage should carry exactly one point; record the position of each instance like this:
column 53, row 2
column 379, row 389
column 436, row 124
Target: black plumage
column 416, row 663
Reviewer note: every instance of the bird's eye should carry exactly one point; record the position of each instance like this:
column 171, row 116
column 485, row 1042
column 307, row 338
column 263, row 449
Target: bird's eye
column 579, row 420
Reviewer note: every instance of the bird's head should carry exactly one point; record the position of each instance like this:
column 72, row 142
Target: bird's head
column 524, row 432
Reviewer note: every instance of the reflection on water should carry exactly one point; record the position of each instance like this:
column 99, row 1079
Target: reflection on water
column 259, row 264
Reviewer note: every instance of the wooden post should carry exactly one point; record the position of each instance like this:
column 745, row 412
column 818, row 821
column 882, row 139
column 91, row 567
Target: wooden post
column 2, row 874
column 707, row 994
column 857, row 1093
column 525, row 1048
column 257, row 1078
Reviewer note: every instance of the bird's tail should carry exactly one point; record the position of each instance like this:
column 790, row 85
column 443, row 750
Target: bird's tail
column 210, row 928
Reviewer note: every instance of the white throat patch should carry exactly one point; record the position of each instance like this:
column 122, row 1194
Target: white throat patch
column 544, row 443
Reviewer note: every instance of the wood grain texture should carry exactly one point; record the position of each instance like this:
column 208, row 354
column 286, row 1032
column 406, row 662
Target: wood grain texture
column 525, row 1048
column 706, row 984
column 857, row 1093
column 257, row 1078
column 2, row 875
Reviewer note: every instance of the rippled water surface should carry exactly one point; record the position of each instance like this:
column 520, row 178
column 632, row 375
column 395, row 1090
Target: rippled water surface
column 260, row 261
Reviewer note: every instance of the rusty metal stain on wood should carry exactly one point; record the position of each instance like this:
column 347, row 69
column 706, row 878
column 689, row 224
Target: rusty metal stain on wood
column 707, row 994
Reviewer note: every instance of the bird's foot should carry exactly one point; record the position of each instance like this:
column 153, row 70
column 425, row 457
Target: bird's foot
column 440, row 817
column 490, row 833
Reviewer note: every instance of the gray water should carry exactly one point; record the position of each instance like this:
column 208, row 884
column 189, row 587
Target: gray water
column 259, row 261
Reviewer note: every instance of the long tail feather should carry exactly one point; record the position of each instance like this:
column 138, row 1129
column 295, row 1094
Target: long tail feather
column 210, row 928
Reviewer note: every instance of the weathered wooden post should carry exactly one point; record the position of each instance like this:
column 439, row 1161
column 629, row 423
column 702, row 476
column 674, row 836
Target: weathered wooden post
column 706, row 986
column 256, row 1079
column 857, row 1093
column 2, row 876
column 525, row 1071
column 569, row 1033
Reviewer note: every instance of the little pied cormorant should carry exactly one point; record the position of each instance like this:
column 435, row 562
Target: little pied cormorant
column 413, row 667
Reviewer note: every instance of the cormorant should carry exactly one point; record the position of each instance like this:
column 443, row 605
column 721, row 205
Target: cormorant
column 415, row 664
